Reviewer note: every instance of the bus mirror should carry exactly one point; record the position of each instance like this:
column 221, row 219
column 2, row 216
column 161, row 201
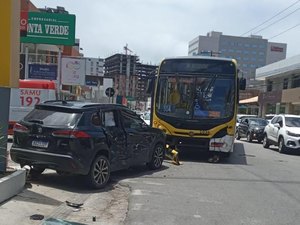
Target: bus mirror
column 150, row 85
column 242, row 83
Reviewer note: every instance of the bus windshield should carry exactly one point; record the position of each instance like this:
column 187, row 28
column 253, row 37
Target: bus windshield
column 195, row 97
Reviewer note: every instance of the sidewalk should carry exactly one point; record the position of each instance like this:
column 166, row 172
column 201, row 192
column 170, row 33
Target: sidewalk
column 13, row 183
column 47, row 196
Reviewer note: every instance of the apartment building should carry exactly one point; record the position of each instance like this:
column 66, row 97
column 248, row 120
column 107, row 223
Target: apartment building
column 129, row 75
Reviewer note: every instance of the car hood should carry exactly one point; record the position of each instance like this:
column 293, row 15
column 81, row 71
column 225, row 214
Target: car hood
column 295, row 130
column 257, row 127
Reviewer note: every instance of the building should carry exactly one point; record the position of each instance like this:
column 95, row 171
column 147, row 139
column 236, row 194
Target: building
column 250, row 52
column 144, row 71
column 282, row 87
column 122, row 68
column 130, row 78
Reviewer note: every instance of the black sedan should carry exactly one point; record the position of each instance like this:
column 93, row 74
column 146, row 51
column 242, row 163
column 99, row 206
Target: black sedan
column 251, row 128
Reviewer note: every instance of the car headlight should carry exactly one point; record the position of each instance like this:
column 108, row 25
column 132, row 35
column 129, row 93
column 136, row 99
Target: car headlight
column 292, row 134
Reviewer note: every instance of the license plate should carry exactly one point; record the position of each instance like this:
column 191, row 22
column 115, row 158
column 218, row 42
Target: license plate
column 40, row 144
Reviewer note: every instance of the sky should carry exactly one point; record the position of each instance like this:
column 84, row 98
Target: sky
column 155, row 29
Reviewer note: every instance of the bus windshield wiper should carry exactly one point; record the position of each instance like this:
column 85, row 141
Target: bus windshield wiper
column 36, row 121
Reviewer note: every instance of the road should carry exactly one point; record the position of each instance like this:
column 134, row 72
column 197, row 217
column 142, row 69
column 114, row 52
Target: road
column 255, row 186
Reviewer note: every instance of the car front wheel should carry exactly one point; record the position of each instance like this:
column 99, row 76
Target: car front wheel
column 157, row 157
column 281, row 145
column 249, row 138
column 237, row 135
column 99, row 173
column 266, row 142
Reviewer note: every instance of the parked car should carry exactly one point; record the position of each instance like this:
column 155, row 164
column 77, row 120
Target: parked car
column 240, row 117
column 284, row 132
column 85, row 138
column 252, row 128
column 269, row 117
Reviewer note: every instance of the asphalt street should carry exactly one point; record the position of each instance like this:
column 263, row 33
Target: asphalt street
column 255, row 186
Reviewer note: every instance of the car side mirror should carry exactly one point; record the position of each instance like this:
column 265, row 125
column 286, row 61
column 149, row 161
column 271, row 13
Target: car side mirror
column 277, row 125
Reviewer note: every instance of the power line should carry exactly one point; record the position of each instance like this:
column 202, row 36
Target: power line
column 277, row 21
column 271, row 18
column 284, row 31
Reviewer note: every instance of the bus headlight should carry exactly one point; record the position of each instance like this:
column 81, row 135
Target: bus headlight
column 162, row 128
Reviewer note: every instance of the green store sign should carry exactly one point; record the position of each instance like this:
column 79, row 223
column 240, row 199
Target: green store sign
column 48, row 28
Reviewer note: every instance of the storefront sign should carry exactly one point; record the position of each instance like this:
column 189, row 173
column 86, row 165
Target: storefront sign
column 270, row 97
column 48, row 28
column 40, row 71
column 276, row 49
column 91, row 80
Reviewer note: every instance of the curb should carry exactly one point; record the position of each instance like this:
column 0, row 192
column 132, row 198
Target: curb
column 12, row 184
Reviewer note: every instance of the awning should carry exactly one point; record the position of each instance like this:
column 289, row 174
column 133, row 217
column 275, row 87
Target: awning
column 249, row 100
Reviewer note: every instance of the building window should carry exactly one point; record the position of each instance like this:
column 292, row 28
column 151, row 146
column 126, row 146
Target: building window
column 285, row 83
column 269, row 85
column 296, row 81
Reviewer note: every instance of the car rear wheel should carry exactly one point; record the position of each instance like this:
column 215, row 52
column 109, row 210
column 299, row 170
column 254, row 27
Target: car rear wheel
column 99, row 173
column 249, row 138
column 281, row 146
column 266, row 142
column 157, row 157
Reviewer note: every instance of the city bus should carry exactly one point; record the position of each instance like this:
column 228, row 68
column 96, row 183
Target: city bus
column 195, row 103
column 24, row 98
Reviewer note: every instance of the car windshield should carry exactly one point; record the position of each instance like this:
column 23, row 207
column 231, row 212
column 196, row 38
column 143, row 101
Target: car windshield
column 52, row 118
column 258, row 122
column 269, row 117
column 292, row 121
column 193, row 97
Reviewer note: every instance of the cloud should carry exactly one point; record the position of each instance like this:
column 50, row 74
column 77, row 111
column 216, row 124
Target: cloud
column 155, row 29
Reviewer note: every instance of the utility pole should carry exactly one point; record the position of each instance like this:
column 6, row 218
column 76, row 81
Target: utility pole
column 127, row 69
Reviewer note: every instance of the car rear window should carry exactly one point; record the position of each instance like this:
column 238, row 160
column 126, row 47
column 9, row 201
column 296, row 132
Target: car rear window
column 52, row 118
